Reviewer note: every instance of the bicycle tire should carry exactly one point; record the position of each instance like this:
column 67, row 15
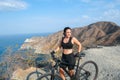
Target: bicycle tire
column 33, row 75
column 84, row 71
column 48, row 77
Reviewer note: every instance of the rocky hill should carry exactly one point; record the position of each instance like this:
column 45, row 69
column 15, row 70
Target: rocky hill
column 99, row 33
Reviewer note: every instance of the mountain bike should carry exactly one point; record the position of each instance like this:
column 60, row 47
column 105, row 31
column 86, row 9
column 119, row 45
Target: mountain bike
column 86, row 71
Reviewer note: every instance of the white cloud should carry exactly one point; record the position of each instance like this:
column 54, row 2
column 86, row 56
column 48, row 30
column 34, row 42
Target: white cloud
column 109, row 15
column 85, row 17
column 7, row 5
column 112, row 14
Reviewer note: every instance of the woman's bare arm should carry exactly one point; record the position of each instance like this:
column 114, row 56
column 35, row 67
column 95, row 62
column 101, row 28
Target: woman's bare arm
column 77, row 43
column 59, row 46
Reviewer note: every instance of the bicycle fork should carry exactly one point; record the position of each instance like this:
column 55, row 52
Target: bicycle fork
column 37, row 73
column 53, row 74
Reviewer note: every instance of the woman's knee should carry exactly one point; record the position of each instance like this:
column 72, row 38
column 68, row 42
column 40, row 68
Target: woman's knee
column 61, row 70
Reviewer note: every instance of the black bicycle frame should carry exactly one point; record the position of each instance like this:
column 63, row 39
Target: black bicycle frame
column 76, row 76
column 77, row 70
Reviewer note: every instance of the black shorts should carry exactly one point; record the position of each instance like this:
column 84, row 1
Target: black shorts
column 69, row 59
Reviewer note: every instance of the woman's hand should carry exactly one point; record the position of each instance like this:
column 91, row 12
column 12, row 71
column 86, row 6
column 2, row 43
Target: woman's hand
column 77, row 54
column 53, row 54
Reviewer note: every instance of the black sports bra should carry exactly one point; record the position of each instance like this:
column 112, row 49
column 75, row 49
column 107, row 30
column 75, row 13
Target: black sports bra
column 67, row 45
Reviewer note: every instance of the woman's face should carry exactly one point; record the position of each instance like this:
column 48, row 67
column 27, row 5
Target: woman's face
column 68, row 33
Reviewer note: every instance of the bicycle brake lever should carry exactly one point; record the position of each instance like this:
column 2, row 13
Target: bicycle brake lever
column 82, row 54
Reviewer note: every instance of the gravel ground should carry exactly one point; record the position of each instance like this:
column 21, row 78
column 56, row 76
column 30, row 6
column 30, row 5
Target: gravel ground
column 108, row 61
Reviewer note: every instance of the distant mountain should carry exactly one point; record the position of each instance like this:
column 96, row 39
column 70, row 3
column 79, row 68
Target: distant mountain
column 99, row 33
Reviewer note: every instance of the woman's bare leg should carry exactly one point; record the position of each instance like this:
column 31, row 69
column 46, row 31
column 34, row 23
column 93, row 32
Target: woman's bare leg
column 62, row 74
column 71, row 72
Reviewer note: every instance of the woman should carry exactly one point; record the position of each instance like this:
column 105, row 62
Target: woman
column 67, row 53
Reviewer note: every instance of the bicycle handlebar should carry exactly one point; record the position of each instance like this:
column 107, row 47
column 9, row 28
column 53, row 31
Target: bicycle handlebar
column 82, row 54
column 58, row 60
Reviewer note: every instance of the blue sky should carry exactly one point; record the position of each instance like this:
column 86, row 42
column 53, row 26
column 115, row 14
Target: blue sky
column 41, row 16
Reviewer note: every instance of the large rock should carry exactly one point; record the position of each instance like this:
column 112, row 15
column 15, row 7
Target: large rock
column 100, row 33
column 21, row 74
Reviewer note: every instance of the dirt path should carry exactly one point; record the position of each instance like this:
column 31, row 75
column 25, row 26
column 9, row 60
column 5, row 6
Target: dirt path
column 108, row 61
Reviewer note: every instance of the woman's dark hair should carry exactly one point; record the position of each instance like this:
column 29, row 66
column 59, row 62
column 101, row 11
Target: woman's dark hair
column 66, row 29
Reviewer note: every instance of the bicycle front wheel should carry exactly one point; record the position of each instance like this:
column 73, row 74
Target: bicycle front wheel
column 88, row 71
column 33, row 75
column 49, row 76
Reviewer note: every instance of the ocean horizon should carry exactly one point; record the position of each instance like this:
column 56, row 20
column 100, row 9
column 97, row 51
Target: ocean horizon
column 15, row 41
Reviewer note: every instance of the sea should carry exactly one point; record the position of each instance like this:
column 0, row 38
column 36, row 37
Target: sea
column 15, row 41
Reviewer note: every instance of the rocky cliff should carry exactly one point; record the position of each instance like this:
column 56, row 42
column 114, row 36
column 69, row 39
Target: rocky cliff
column 99, row 33
column 107, row 59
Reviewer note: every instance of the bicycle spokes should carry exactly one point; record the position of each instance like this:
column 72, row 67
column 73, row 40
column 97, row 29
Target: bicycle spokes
column 49, row 77
column 33, row 75
column 88, row 71
column 85, row 75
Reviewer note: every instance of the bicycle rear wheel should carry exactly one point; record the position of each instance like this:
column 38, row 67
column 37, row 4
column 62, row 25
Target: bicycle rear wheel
column 48, row 77
column 88, row 71
column 33, row 75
